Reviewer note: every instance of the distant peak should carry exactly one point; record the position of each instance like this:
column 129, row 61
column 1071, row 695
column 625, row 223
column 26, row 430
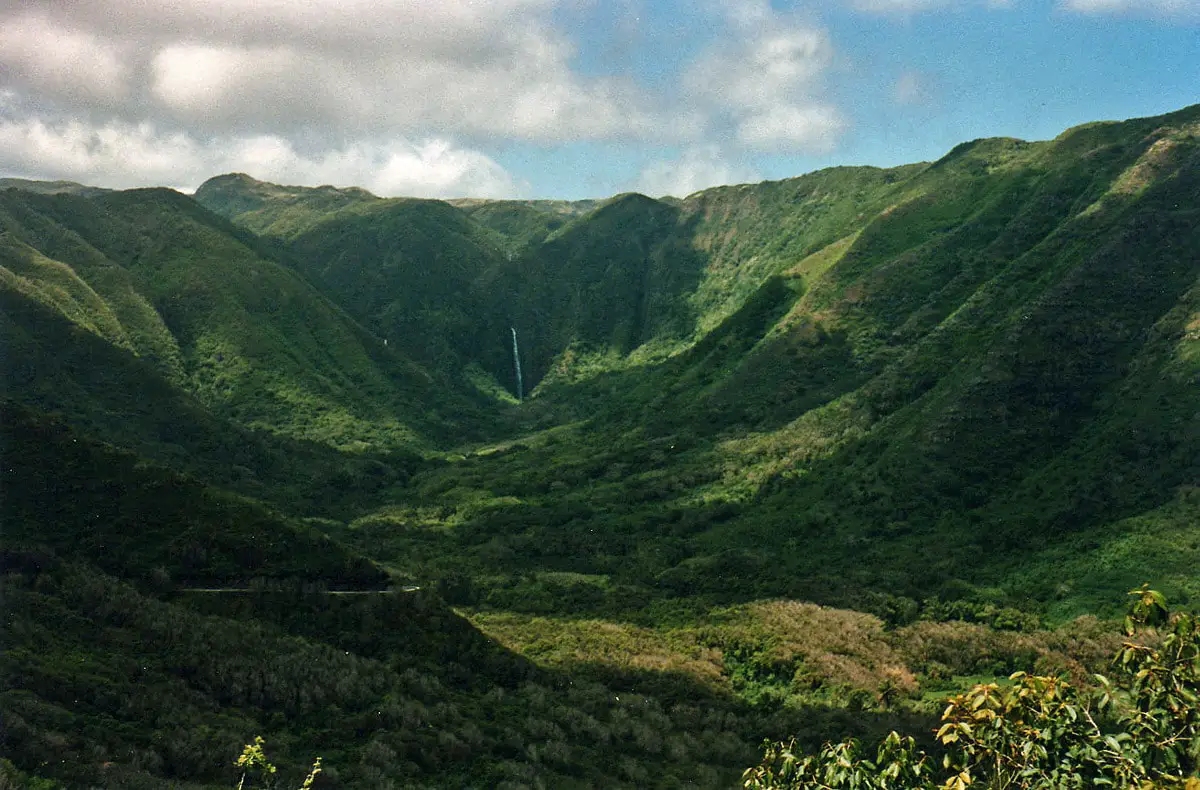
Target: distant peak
column 246, row 185
column 631, row 197
column 51, row 187
column 985, row 152
column 229, row 180
column 628, row 201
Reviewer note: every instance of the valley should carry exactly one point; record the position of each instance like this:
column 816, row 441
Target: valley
column 796, row 458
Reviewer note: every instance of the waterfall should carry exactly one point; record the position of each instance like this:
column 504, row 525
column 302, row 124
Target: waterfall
column 517, row 366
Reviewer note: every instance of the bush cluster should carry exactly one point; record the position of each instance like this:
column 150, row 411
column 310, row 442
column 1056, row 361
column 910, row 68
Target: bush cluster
column 1039, row 732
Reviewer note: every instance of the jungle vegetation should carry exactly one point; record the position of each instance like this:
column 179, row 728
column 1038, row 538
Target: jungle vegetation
column 795, row 460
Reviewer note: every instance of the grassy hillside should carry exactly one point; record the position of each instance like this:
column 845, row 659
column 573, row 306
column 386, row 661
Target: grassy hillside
column 271, row 210
column 1009, row 348
column 590, row 286
column 57, row 267
column 50, row 187
column 53, row 364
column 404, row 268
column 988, row 374
column 907, row 381
column 523, row 223
column 152, row 271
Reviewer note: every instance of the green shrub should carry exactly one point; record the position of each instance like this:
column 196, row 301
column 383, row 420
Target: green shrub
column 1140, row 729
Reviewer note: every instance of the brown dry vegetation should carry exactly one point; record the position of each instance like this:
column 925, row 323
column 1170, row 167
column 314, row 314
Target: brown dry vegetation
column 939, row 651
column 828, row 646
column 810, row 649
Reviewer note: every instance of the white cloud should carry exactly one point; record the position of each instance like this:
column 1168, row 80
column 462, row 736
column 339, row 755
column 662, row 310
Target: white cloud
column 322, row 25
column 697, row 168
column 433, row 168
column 43, row 56
column 197, row 79
column 1189, row 9
column 436, row 168
column 126, row 155
column 758, row 70
column 113, row 154
column 766, row 81
column 341, row 80
column 375, row 67
column 744, row 13
column 404, row 95
column 813, row 127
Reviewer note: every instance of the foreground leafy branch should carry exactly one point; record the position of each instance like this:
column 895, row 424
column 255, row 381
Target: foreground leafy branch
column 253, row 760
column 1139, row 729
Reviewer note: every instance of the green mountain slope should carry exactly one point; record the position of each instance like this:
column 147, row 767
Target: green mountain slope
column 53, row 364
column 1009, row 349
column 590, row 286
column 51, row 187
column 80, row 498
column 636, row 280
column 523, row 223
column 600, row 288
column 405, row 268
column 986, row 369
column 152, row 271
column 92, row 291
column 917, row 374
column 275, row 211
column 959, row 390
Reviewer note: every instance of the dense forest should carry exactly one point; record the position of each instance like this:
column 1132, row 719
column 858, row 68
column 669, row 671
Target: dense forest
column 794, row 462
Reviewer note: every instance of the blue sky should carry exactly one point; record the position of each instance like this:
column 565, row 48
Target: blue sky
column 912, row 83
column 562, row 98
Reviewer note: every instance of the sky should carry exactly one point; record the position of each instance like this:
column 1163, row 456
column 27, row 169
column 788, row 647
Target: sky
column 561, row 98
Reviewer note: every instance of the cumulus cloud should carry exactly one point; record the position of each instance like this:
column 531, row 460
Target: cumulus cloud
column 432, row 168
column 448, row 25
column 766, row 81
column 763, row 66
column 381, row 67
column 399, row 94
column 126, row 155
column 395, row 95
column 814, row 127
column 698, row 167
column 116, row 154
column 220, row 82
column 42, row 56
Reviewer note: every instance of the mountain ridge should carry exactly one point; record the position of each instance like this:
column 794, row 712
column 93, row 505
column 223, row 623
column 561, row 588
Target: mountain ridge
column 958, row 397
